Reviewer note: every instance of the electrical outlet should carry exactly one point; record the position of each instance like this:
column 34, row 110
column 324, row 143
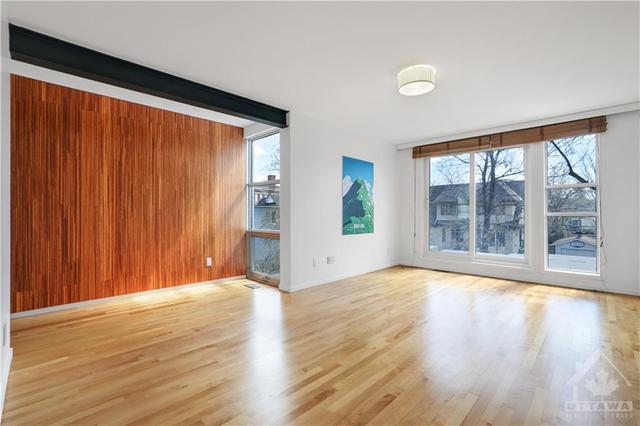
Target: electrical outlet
column 331, row 260
column 209, row 262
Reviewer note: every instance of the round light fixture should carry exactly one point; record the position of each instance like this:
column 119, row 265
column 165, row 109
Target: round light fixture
column 416, row 80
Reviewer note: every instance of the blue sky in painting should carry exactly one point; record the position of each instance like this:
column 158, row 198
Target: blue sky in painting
column 357, row 168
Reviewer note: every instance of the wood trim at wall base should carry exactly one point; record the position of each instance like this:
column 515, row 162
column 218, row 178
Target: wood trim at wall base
column 86, row 303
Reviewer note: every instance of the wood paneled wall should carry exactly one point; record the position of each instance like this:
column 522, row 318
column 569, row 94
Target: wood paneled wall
column 111, row 197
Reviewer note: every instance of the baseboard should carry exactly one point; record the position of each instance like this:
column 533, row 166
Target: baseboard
column 518, row 275
column 86, row 303
column 339, row 277
column 8, row 358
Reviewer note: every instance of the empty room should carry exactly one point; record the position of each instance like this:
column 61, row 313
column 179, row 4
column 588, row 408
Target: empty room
column 320, row 213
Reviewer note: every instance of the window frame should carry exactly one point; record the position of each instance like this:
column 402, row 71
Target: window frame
column 471, row 254
column 596, row 214
column 252, row 232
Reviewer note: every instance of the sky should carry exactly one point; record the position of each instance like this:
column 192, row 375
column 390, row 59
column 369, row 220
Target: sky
column 357, row 168
column 263, row 152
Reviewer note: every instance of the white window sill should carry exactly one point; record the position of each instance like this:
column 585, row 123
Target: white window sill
column 488, row 259
column 576, row 273
column 514, row 271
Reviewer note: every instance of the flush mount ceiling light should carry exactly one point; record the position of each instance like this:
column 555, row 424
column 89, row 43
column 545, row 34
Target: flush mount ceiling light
column 416, row 80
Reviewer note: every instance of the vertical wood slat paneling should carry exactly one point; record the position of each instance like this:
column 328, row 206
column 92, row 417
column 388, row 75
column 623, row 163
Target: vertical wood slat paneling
column 111, row 197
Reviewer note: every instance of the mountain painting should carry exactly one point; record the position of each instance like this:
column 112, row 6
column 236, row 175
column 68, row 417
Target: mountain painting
column 357, row 196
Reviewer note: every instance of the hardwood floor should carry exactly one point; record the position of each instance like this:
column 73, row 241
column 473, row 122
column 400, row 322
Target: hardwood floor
column 399, row 346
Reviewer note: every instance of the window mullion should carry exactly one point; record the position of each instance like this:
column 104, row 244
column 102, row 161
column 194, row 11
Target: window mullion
column 572, row 185
column 265, row 183
column 572, row 214
column 472, row 206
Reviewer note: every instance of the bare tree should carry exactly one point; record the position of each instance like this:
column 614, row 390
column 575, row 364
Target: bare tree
column 570, row 159
column 492, row 169
column 274, row 161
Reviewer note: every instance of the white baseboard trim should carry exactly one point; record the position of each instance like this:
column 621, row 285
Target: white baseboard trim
column 338, row 277
column 86, row 303
column 519, row 274
column 6, row 363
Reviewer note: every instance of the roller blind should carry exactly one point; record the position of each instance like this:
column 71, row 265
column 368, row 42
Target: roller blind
column 516, row 137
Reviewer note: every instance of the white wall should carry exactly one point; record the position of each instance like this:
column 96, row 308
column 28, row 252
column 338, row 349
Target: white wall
column 619, row 178
column 619, row 157
column 313, row 172
column 5, row 211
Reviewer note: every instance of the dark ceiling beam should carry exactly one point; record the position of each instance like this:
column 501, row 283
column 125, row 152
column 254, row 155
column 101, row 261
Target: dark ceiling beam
column 42, row 50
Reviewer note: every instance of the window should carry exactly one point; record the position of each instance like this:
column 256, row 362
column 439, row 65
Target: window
column 265, row 158
column 263, row 194
column 572, row 204
column 528, row 197
column 499, row 203
column 449, row 203
column 265, row 257
column 449, row 209
column 265, row 207
column 499, row 181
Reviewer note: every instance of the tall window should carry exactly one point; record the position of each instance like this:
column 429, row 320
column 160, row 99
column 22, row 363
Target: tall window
column 572, row 204
column 498, row 198
column 499, row 179
column 264, row 209
column 449, row 203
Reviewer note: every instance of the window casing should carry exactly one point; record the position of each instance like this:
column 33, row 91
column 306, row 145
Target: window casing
column 263, row 205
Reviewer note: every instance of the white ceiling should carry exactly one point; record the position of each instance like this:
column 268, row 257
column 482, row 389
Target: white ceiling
column 498, row 63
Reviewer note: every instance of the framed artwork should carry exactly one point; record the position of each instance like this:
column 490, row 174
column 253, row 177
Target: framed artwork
column 357, row 196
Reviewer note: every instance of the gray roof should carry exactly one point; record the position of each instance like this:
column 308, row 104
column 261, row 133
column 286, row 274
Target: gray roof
column 586, row 239
column 506, row 191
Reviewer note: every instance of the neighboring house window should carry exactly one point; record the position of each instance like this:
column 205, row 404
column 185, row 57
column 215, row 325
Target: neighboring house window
column 449, row 178
column 449, row 209
column 263, row 193
column 572, row 204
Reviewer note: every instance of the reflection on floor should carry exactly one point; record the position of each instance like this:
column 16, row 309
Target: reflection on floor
column 399, row 346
